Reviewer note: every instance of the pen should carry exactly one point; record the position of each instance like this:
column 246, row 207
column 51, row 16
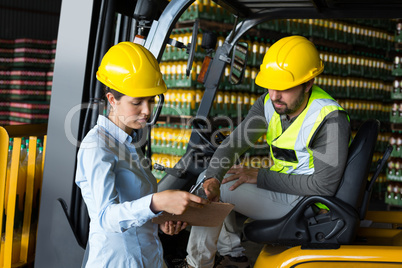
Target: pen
column 197, row 185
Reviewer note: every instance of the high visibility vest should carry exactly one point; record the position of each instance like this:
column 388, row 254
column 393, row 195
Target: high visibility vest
column 290, row 150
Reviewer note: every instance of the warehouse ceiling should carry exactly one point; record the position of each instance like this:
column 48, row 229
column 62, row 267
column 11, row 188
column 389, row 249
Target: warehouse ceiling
column 315, row 8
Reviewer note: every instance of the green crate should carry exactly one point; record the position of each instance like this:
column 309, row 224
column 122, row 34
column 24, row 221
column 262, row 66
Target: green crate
column 394, row 175
column 158, row 174
column 393, row 199
column 395, row 118
column 396, row 95
column 398, row 38
column 193, row 13
column 186, row 109
column 397, row 72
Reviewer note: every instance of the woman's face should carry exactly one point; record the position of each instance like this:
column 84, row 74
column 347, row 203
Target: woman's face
column 130, row 113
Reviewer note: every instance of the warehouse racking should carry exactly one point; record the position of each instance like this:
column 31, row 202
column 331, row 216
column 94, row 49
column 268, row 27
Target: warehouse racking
column 26, row 75
column 359, row 58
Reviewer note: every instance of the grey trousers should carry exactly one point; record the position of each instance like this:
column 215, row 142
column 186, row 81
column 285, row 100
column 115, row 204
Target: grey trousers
column 253, row 202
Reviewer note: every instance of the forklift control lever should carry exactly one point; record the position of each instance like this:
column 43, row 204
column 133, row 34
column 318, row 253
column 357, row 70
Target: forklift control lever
column 179, row 173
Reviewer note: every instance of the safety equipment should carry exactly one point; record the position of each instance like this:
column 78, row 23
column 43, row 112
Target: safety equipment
column 289, row 62
column 131, row 70
column 290, row 150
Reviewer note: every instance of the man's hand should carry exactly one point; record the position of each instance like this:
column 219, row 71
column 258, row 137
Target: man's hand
column 172, row 228
column 242, row 175
column 212, row 189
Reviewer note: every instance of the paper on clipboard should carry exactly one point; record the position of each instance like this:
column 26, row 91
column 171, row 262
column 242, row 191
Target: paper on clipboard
column 210, row 215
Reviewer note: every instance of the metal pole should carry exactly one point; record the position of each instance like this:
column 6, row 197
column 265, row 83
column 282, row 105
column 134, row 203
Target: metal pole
column 159, row 32
column 56, row 245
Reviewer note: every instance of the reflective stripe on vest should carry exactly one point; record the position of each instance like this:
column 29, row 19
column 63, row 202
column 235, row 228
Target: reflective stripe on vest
column 290, row 150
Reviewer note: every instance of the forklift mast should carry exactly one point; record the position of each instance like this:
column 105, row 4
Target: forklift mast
column 86, row 31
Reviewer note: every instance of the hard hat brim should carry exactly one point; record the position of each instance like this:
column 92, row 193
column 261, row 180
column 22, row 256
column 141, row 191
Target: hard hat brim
column 278, row 85
column 139, row 93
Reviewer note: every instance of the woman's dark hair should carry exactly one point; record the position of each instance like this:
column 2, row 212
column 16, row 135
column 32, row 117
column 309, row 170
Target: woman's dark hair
column 117, row 95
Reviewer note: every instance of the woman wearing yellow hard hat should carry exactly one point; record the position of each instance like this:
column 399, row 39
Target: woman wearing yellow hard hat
column 307, row 134
column 120, row 193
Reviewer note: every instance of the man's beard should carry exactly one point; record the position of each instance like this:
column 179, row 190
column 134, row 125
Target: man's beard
column 290, row 110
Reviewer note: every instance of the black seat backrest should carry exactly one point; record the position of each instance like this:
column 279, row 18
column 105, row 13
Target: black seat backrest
column 355, row 177
column 302, row 226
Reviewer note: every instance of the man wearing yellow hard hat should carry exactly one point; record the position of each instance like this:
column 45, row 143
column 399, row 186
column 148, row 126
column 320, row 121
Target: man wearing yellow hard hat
column 119, row 192
column 308, row 135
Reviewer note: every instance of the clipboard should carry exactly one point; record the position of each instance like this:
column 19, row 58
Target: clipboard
column 210, row 215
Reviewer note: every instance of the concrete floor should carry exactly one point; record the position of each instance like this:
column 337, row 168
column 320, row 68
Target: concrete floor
column 252, row 250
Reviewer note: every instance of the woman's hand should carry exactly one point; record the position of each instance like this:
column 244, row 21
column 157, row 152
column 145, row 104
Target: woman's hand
column 242, row 175
column 175, row 201
column 173, row 228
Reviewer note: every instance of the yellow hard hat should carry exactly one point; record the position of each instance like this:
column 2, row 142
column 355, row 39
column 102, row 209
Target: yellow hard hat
column 131, row 70
column 289, row 62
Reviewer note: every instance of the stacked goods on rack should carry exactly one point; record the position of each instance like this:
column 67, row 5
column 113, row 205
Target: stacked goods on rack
column 182, row 102
column 394, row 176
column 23, row 85
column 393, row 195
column 4, row 112
column 167, row 139
column 25, row 80
column 368, row 33
column 182, row 97
column 169, row 143
column 208, row 10
column 357, row 55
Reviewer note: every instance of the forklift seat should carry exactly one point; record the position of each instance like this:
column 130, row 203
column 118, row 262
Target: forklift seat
column 303, row 226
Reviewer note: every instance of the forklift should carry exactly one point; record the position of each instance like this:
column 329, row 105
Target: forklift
column 88, row 29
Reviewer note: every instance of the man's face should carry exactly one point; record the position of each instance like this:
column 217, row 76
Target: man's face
column 290, row 102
